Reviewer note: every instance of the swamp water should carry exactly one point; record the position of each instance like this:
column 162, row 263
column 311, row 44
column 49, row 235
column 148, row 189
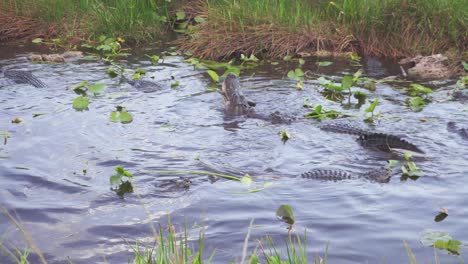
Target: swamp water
column 55, row 167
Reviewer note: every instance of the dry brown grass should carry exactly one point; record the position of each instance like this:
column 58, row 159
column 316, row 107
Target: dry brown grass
column 220, row 41
column 223, row 39
column 14, row 27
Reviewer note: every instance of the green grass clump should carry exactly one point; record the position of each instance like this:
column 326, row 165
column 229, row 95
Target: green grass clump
column 171, row 248
column 137, row 20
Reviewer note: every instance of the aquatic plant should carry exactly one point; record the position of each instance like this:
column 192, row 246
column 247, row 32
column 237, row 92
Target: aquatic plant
column 419, row 96
column 121, row 181
column 120, row 115
column 284, row 136
column 440, row 240
column 407, row 167
column 371, row 110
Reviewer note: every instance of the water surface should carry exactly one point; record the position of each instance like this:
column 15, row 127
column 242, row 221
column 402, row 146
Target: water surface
column 55, row 167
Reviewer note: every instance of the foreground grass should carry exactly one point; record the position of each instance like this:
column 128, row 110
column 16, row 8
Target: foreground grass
column 377, row 27
column 137, row 20
column 174, row 247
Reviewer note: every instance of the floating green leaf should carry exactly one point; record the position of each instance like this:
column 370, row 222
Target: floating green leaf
column 416, row 103
column 287, row 57
column 285, row 213
column 392, row 163
column 121, row 116
column 429, row 237
column 465, row 65
column 154, row 58
column 296, row 74
column 347, row 82
column 111, row 72
column 418, row 90
column 37, row 40
column 96, row 88
column 125, row 117
column 284, row 136
column 214, row 76
column 324, row 63
column 452, row 246
column 251, row 58
column 235, row 70
column 81, row 103
column 372, row 106
column 175, row 84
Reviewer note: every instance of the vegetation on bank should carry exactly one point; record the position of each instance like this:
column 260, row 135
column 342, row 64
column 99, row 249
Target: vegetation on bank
column 275, row 28
column 74, row 20
column 271, row 28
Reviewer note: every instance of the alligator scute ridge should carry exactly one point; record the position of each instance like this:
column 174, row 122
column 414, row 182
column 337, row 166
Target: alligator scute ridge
column 23, row 77
column 381, row 175
column 381, row 141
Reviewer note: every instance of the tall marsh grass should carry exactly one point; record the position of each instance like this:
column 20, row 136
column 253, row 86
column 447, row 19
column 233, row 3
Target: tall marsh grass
column 138, row 20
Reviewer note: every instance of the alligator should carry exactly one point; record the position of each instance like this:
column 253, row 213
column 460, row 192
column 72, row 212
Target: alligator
column 23, row 77
column 143, row 85
column 380, row 141
column 381, row 175
column 237, row 104
column 463, row 132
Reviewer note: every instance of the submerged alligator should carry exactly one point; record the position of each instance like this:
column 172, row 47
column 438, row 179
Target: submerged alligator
column 380, row 141
column 381, row 175
column 143, row 85
column 23, row 77
column 237, row 104
column 463, row 132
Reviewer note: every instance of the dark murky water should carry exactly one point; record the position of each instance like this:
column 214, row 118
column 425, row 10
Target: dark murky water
column 74, row 214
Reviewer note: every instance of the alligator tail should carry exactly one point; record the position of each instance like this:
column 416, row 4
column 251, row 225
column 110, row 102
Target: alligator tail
column 386, row 142
column 328, row 175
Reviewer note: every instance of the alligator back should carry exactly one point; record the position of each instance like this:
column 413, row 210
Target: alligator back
column 379, row 175
column 144, row 86
column 24, row 77
column 327, row 175
column 344, row 129
column 386, row 142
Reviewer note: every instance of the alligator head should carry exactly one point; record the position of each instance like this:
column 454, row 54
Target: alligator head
column 234, row 100
column 23, row 77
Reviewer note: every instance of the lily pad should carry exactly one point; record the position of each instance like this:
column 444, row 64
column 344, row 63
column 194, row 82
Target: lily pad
column 285, row 213
column 429, row 237
column 96, row 88
column 81, row 103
